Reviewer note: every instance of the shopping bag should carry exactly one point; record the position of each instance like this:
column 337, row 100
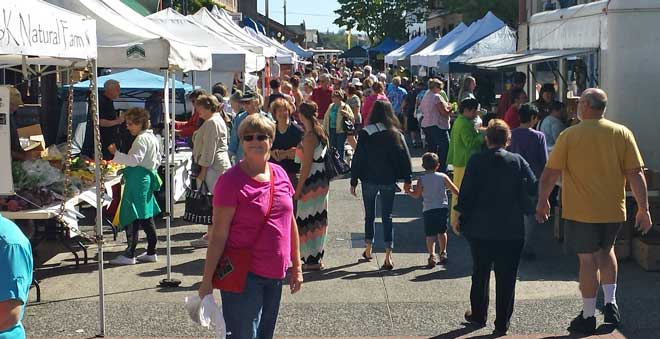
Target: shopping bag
column 199, row 204
column 335, row 166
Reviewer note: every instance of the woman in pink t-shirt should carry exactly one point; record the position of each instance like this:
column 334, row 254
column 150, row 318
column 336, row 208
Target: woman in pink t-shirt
column 378, row 94
column 241, row 201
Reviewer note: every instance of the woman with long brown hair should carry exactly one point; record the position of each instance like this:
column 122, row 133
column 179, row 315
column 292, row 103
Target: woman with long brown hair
column 312, row 189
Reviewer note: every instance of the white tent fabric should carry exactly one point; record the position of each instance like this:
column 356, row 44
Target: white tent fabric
column 502, row 41
column 60, row 33
column 226, row 56
column 284, row 55
column 123, row 43
column 430, row 55
column 407, row 49
column 224, row 29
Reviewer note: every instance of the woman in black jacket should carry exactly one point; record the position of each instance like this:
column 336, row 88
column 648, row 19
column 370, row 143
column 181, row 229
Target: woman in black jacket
column 381, row 158
column 494, row 196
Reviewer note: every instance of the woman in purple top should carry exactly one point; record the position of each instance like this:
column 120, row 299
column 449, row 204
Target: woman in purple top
column 241, row 203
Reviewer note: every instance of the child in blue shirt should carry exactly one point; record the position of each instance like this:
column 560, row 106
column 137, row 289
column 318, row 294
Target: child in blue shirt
column 432, row 187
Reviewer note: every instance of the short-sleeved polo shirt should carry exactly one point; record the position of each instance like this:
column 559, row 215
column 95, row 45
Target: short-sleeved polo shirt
column 593, row 157
column 16, row 258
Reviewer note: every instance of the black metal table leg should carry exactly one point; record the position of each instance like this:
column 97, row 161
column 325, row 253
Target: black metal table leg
column 84, row 249
column 35, row 282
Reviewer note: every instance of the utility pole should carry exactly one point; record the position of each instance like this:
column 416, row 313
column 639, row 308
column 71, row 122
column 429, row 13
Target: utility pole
column 267, row 21
column 284, row 13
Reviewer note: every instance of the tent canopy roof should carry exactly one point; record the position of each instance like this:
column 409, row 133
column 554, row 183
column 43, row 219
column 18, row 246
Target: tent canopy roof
column 297, row 49
column 135, row 79
column 283, row 55
column 79, row 42
column 385, row 46
column 407, row 49
column 429, row 56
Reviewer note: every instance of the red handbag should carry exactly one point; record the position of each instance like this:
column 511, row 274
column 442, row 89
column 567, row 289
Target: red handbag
column 234, row 264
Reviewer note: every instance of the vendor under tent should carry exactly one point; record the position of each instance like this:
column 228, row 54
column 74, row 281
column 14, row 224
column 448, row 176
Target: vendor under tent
column 401, row 55
column 430, row 55
column 76, row 46
column 226, row 56
column 356, row 54
column 297, row 49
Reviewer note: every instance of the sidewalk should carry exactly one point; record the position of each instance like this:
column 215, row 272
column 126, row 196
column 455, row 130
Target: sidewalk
column 350, row 299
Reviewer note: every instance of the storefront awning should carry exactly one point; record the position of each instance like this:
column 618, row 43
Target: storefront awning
column 503, row 61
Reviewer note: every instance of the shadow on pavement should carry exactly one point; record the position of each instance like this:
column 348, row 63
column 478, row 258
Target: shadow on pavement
column 457, row 333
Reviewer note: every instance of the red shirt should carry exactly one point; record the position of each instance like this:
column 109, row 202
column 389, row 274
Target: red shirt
column 322, row 96
column 512, row 118
column 504, row 104
column 187, row 128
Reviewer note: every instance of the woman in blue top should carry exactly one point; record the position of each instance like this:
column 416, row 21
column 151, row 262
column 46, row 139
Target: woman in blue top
column 333, row 121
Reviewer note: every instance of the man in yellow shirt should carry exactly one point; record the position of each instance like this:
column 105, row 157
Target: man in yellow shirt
column 594, row 160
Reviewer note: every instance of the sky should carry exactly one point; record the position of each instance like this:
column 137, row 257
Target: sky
column 317, row 14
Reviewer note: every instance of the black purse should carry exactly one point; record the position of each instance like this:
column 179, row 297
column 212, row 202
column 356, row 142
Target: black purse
column 334, row 165
column 199, row 204
column 349, row 127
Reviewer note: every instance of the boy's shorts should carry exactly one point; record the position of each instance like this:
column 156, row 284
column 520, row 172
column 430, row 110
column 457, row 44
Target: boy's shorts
column 435, row 221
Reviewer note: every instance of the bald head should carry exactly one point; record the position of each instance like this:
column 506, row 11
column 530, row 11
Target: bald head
column 595, row 98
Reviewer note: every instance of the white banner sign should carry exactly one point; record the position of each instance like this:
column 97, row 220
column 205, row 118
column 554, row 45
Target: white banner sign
column 36, row 28
column 6, row 181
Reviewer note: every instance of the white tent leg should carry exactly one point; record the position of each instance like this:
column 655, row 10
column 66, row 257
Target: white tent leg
column 99, row 205
column 169, row 162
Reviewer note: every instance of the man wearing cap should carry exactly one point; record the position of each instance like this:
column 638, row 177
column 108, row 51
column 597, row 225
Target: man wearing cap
column 17, row 152
column 250, row 102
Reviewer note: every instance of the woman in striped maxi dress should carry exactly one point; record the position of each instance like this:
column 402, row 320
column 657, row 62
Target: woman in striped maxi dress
column 312, row 190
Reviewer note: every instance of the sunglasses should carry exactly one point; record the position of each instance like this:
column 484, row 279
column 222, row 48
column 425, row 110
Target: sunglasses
column 259, row 137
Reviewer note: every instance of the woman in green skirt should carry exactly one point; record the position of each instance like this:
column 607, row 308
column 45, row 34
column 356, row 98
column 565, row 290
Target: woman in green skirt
column 138, row 204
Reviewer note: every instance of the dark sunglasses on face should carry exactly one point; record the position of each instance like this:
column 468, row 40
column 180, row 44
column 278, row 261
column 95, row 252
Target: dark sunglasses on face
column 250, row 137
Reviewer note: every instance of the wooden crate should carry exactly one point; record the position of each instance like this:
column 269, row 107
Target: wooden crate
column 623, row 248
column 647, row 253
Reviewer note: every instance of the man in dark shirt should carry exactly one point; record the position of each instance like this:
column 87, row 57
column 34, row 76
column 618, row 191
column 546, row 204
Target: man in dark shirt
column 109, row 121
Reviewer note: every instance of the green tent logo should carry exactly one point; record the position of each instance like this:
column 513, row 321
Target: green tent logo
column 135, row 52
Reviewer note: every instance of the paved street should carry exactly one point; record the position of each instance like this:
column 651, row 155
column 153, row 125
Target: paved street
column 349, row 299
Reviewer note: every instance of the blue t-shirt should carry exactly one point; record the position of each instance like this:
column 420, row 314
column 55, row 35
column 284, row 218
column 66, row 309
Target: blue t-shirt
column 16, row 256
column 333, row 117
column 235, row 147
column 531, row 145
column 396, row 96
column 434, row 191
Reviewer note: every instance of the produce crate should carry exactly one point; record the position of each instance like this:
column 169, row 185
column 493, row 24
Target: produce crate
column 646, row 252
column 622, row 248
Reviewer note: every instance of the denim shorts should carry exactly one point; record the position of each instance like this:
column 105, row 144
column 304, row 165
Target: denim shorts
column 435, row 221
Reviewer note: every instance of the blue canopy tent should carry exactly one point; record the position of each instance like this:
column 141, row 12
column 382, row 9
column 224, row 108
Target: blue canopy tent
column 384, row 47
column 485, row 37
column 402, row 53
column 297, row 49
column 136, row 85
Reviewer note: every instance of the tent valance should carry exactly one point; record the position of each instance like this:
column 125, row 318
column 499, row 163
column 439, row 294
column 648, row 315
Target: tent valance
column 36, row 28
column 529, row 57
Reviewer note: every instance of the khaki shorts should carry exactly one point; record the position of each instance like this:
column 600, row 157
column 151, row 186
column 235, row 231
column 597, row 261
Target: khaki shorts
column 583, row 237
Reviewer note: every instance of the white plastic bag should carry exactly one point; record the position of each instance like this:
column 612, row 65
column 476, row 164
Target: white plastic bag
column 206, row 313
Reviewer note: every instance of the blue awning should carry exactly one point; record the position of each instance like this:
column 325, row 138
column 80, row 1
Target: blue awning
column 299, row 50
column 136, row 79
column 386, row 46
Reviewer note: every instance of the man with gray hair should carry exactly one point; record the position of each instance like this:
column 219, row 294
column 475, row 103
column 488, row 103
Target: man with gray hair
column 594, row 160
column 109, row 121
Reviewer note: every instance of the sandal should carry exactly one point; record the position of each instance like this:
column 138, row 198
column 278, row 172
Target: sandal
column 431, row 262
column 387, row 267
column 364, row 255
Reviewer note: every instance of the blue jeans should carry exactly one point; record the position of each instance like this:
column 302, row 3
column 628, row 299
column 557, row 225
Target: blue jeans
column 369, row 194
column 437, row 141
column 337, row 140
column 253, row 313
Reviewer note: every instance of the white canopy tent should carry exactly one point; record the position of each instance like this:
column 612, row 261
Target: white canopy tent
column 123, row 43
column 405, row 50
column 65, row 38
column 222, row 28
column 430, row 55
column 126, row 43
column 226, row 56
column 284, row 55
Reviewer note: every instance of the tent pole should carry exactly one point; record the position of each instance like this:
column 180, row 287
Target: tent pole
column 99, row 202
column 168, row 140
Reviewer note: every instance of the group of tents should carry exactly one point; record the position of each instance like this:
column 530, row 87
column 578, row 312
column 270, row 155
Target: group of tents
column 484, row 37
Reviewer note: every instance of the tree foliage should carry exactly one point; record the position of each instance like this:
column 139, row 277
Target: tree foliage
column 193, row 6
column 379, row 18
column 507, row 10
column 338, row 40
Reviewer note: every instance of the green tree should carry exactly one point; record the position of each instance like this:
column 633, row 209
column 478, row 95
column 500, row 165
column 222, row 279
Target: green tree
column 379, row 18
column 507, row 10
column 193, row 5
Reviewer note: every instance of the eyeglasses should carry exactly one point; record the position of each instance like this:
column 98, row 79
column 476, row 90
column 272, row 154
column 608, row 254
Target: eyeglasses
column 260, row 137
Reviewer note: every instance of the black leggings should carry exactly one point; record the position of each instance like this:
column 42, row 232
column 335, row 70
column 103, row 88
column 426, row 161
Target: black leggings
column 149, row 227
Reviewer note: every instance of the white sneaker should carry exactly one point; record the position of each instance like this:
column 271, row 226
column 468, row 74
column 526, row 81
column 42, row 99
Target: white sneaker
column 122, row 260
column 202, row 242
column 147, row 258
